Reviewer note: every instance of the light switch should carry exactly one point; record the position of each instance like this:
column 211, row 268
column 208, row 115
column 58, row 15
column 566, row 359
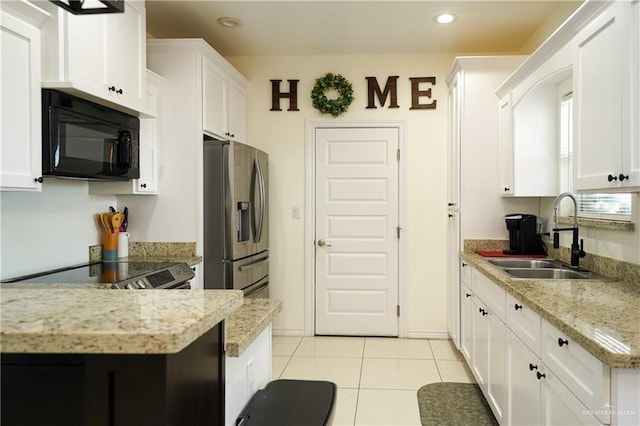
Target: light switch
column 295, row 212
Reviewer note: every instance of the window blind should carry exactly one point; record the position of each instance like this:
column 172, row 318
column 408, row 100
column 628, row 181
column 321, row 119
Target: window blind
column 603, row 206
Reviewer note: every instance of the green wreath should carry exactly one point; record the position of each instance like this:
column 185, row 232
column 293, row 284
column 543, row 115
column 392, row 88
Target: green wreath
column 335, row 107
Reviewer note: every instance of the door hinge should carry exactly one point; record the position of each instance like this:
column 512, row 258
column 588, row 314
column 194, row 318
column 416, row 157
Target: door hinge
column 398, row 229
column 398, row 154
column 398, row 310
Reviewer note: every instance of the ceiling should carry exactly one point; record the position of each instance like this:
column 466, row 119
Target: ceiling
column 332, row 27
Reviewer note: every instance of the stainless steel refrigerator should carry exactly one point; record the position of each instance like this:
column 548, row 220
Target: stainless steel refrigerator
column 236, row 218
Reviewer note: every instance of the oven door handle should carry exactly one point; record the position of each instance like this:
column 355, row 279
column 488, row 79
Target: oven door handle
column 253, row 264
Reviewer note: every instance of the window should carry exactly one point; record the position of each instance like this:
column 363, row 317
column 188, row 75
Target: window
column 600, row 206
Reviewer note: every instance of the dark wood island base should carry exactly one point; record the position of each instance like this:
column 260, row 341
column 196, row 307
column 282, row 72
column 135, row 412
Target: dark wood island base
column 181, row 389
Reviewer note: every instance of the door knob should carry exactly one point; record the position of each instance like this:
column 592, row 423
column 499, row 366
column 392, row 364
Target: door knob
column 321, row 243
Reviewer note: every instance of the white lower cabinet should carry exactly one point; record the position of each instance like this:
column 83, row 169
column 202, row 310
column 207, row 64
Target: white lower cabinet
column 245, row 374
column 488, row 360
column 529, row 372
column 560, row 406
column 586, row 376
column 453, row 279
column 196, row 281
column 535, row 394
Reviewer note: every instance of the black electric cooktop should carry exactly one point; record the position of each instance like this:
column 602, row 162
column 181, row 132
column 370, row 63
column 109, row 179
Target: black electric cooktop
column 92, row 273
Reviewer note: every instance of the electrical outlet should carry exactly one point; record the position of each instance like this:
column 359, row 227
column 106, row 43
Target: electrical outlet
column 251, row 379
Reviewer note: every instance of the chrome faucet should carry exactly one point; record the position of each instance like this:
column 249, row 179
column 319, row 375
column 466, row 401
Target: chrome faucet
column 577, row 250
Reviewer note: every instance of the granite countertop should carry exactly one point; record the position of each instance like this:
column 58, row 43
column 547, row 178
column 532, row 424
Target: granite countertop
column 119, row 322
column 602, row 316
column 247, row 322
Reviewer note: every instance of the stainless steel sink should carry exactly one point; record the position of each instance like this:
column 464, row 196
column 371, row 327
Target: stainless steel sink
column 525, row 263
column 546, row 273
column 544, row 269
column 555, row 274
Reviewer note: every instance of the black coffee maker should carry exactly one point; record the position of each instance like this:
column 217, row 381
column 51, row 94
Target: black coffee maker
column 523, row 235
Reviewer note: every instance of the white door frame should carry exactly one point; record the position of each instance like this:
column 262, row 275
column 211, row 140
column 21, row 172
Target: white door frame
column 310, row 220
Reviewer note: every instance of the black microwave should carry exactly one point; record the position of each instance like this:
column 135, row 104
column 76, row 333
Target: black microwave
column 81, row 139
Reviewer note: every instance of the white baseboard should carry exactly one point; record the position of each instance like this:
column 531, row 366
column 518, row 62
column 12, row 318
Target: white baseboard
column 425, row 334
column 429, row 334
column 297, row 332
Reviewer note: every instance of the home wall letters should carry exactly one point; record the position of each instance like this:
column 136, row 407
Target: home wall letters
column 390, row 92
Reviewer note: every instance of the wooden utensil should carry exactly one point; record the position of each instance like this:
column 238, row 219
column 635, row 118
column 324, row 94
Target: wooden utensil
column 116, row 221
column 106, row 224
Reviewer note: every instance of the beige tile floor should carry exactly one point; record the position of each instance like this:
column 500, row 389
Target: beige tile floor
column 377, row 377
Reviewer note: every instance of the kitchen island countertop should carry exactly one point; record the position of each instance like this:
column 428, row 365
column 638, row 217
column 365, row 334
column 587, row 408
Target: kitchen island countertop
column 602, row 316
column 247, row 322
column 118, row 322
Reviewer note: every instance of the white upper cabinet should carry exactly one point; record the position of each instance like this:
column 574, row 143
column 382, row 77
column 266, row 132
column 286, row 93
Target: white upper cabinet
column 101, row 57
column 453, row 147
column 505, row 146
column 529, row 129
column 20, row 118
column 214, row 100
column 147, row 183
column 224, row 104
column 606, row 139
column 237, row 111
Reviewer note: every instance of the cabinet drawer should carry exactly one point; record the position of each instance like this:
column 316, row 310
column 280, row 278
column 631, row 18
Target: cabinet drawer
column 583, row 374
column 524, row 322
column 492, row 295
column 465, row 272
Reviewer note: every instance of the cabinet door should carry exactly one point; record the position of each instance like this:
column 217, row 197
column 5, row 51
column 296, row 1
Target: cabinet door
column 126, row 59
column 601, row 99
column 453, row 148
column 631, row 151
column 585, row 375
column 560, row 406
column 214, row 100
column 86, row 51
column 101, row 55
column 148, row 181
column 496, row 379
column 21, row 136
column 237, row 112
column 453, row 278
column 505, row 146
column 480, row 331
column 523, row 386
column 466, row 323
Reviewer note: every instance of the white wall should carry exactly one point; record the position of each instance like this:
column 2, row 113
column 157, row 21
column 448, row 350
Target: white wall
column 282, row 135
column 48, row 229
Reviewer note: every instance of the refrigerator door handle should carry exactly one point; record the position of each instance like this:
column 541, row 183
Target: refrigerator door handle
column 253, row 264
column 258, row 222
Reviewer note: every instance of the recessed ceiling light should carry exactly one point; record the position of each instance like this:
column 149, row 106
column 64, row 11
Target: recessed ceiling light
column 444, row 18
column 230, row 22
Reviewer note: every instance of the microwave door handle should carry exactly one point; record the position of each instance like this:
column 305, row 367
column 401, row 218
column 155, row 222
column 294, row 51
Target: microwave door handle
column 124, row 150
column 113, row 152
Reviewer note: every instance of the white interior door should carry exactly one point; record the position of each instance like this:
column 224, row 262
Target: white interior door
column 356, row 220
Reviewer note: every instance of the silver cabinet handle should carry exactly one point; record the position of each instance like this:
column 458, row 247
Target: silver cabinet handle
column 321, row 243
